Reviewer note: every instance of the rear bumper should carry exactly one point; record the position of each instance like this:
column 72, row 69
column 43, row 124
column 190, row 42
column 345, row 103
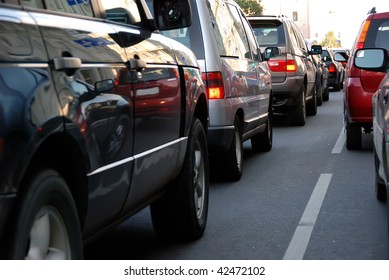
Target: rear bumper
column 287, row 94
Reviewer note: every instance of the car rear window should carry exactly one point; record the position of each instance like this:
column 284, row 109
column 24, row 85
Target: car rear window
column 378, row 35
column 269, row 33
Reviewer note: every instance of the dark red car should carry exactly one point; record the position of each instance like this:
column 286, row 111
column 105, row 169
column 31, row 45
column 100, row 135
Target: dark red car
column 360, row 85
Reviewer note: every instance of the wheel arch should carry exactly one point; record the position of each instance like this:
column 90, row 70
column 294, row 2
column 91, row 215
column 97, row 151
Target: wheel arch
column 61, row 153
column 201, row 112
column 240, row 114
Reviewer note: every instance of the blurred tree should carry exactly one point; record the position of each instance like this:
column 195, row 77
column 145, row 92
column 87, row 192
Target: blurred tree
column 330, row 41
column 251, row 7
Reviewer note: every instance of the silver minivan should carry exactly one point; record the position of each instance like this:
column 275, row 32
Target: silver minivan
column 238, row 82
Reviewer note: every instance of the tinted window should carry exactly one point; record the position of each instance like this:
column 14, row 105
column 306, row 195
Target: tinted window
column 378, row 34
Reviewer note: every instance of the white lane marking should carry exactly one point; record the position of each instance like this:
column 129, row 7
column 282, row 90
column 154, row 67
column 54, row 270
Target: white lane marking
column 339, row 143
column 299, row 242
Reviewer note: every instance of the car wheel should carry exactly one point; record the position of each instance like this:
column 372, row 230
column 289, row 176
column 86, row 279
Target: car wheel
column 353, row 136
column 319, row 93
column 337, row 84
column 298, row 115
column 233, row 160
column 380, row 188
column 47, row 226
column 326, row 95
column 182, row 211
column 263, row 142
column 312, row 105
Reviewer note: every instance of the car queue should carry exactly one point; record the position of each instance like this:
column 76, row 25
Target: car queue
column 123, row 111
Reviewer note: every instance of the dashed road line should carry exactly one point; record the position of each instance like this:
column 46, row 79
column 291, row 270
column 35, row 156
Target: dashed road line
column 339, row 143
column 300, row 240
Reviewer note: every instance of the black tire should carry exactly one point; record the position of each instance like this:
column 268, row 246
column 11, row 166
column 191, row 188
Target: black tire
column 312, row 104
column 353, row 136
column 326, row 95
column 298, row 115
column 380, row 187
column 182, row 212
column 233, row 160
column 319, row 93
column 264, row 142
column 47, row 226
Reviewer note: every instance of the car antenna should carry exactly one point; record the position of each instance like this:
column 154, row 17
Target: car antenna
column 372, row 11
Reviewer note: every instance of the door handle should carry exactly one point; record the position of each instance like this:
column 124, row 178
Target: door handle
column 136, row 64
column 69, row 65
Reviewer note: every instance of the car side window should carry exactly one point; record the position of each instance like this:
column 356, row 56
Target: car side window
column 299, row 37
column 33, row 3
column 247, row 31
column 292, row 36
column 123, row 11
column 229, row 33
column 74, row 7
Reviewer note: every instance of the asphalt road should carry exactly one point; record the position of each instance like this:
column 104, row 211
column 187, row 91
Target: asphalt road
column 308, row 198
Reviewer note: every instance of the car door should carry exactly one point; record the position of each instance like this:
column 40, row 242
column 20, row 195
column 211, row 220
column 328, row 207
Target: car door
column 261, row 69
column 309, row 66
column 157, row 102
column 25, row 81
column 241, row 66
column 85, row 61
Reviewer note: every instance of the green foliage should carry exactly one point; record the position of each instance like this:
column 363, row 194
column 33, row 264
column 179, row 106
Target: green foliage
column 330, row 41
column 251, row 7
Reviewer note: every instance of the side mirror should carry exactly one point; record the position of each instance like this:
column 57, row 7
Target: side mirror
column 172, row 14
column 316, row 49
column 372, row 59
column 271, row 52
column 104, row 86
column 340, row 58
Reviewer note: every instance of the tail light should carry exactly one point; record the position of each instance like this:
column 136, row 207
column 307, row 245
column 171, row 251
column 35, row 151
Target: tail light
column 332, row 68
column 362, row 35
column 215, row 85
column 360, row 43
column 282, row 65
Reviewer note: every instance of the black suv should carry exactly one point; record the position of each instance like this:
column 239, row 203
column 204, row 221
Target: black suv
column 98, row 119
column 292, row 69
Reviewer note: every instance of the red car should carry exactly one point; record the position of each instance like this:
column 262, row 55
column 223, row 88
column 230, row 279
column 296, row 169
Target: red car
column 360, row 85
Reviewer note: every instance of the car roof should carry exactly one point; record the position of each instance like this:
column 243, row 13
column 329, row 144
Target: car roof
column 267, row 18
column 378, row 15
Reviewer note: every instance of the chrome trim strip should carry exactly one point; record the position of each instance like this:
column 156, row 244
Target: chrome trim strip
column 109, row 166
column 129, row 159
column 24, row 64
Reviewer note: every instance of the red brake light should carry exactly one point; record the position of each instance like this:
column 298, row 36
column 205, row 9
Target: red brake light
column 331, row 68
column 215, row 85
column 282, row 65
